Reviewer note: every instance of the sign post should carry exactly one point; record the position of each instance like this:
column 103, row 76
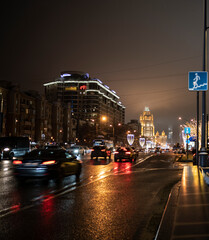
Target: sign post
column 198, row 81
column 187, row 131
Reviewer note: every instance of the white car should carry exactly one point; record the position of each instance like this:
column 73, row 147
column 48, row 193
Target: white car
column 77, row 150
column 86, row 150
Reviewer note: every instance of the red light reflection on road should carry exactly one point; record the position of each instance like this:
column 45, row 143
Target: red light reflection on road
column 122, row 168
column 15, row 208
column 47, row 208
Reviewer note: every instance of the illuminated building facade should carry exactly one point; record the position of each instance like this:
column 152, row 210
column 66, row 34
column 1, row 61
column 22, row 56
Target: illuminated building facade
column 161, row 140
column 89, row 98
column 147, row 124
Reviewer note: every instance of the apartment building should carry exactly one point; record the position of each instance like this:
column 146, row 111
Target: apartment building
column 89, row 98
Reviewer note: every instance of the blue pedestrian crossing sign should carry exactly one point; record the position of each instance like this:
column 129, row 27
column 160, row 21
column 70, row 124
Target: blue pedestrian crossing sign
column 187, row 130
column 198, row 81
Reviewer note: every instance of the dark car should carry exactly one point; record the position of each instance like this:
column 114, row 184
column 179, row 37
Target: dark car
column 123, row 153
column 158, row 150
column 136, row 151
column 47, row 163
column 100, row 151
column 52, row 147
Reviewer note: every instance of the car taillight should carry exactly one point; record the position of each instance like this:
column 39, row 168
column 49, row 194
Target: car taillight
column 128, row 152
column 49, row 162
column 92, row 150
column 17, row 162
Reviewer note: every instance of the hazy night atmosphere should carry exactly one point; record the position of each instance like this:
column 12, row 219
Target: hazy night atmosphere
column 142, row 49
column 84, row 159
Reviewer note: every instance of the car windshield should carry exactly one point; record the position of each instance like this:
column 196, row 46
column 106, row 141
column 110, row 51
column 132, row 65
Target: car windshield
column 43, row 154
column 74, row 147
column 52, row 147
column 99, row 147
column 123, row 149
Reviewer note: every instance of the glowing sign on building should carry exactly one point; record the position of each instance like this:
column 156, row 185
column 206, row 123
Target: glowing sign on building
column 130, row 139
column 83, row 87
column 65, row 75
column 71, row 88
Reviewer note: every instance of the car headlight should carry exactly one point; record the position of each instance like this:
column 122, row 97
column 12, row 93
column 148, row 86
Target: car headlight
column 75, row 151
column 6, row 149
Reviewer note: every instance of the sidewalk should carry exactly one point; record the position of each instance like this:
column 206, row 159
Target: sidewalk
column 186, row 214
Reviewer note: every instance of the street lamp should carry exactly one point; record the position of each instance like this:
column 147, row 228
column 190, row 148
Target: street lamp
column 97, row 123
column 113, row 131
column 104, row 118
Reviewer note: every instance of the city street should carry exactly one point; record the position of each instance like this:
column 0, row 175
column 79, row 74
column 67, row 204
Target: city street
column 112, row 200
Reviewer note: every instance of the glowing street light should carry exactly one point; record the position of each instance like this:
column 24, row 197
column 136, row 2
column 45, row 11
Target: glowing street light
column 104, row 118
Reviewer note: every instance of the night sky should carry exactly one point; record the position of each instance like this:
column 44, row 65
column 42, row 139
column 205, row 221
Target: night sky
column 141, row 49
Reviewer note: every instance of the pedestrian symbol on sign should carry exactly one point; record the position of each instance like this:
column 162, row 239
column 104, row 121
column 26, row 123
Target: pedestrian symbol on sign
column 197, row 77
column 198, row 81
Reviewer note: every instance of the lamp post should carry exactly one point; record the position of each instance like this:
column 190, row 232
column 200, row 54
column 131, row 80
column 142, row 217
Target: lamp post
column 203, row 153
column 102, row 118
column 180, row 128
column 113, row 131
column 204, row 69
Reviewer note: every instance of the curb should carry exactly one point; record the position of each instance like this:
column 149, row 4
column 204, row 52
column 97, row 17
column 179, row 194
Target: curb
column 164, row 229
column 205, row 174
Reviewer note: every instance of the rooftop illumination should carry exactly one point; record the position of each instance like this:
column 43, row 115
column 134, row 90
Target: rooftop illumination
column 66, row 75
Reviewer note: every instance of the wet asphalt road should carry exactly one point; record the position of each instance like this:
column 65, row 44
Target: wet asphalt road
column 111, row 201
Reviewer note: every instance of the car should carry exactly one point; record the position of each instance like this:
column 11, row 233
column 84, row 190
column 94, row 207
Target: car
column 125, row 153
column 136, row 151
column 87, row 150
column 100, row 151
column 158, row 150
column 12, row 147
column 47, row 164
column 152, row 150
column 77, row 150
column 52, row 147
